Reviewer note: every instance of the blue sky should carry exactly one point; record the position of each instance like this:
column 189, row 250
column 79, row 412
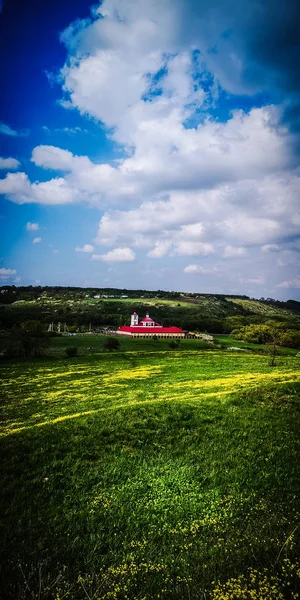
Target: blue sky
column 151, row 144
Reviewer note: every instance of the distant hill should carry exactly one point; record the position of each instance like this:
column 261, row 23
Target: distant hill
column 267, row 308
column 101, row 307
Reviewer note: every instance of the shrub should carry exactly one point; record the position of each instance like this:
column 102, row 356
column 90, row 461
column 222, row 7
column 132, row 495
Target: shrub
column 72, row 351
column 29, row 339
column 174, row 344
column 111, row 343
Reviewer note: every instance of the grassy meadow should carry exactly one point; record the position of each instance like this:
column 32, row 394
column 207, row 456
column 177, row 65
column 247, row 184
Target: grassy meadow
column 150, row 474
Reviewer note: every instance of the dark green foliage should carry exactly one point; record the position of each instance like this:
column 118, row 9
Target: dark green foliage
column 290, row 339
column 111, row 343
column 174, row 344
column 71, row 351
column 28, row 340
column 269, row 333
column 78, row 307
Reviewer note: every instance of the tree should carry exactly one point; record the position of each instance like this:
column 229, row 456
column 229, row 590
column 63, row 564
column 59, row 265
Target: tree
column 270, row 334
column 72, row 351
column 259, row 334
column 174, row 344
column 272, row 345
column 30, row 339
column 112, row 343
column 290, row 338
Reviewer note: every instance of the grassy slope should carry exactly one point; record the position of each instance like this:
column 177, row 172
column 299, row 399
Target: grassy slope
column 157, row 472
column 260, row 308
column 204, row 306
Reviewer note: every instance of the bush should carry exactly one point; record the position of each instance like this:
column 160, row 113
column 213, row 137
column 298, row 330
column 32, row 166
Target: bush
column 52, row 334
column 29, row 340
column 72, row 351
column 111, row 343
column 269, row 333
column 174, row 344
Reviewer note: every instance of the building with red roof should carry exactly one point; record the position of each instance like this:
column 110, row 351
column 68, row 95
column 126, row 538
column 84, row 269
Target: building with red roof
column 147, row 327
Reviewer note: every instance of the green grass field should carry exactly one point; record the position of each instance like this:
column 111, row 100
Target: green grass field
column 94, row 343
column 150, row 474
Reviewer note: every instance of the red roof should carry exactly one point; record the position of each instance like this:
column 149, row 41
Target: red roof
column 154, row 329
column 147, row 320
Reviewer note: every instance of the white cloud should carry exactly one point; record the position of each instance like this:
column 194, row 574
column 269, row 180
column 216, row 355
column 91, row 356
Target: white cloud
column 186, row 184
column 85, row 248
column 270, row 248
column 7, row 274
column 17, row 188
column 67, row 130
column 32, row 226
column 254, row 280
column 167, row 158
column 116, row 255
column 51, row 157
column 293, row 283
column 160, row 249
column 55, row 251
column 37, row 240
column 234, row 252
column 197, row 269
column 9, row 163
column 7, row 130
column 251, row 230
column 191, row 248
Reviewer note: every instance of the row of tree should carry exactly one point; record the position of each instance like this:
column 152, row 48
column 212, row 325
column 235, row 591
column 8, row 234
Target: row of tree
column 269, row 333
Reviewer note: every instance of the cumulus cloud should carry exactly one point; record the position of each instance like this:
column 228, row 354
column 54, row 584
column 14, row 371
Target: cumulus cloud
column 116, row 255
column 255, row 54
column 293, row 283
column 37, row 240
column 270, row 248
column 199, row 270
column 187, row 184
column 32, row 226
column 191, row 248
column 18, row 189
column 234, row 252
column 85, row 248
column 9, row 163
column 50, row 157
column 160, row 249
column 7, row 274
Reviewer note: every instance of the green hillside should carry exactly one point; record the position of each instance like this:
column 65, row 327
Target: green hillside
column 262, row 308
column 78, row 308
column 144, row 475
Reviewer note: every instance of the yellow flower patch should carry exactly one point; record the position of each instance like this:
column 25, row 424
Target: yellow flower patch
column 240, row 381
column 138, row 373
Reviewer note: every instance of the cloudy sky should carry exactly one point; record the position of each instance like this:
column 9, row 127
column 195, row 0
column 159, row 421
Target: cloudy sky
column 151, row 144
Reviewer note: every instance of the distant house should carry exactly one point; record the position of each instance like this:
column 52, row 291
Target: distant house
column 147, row 327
